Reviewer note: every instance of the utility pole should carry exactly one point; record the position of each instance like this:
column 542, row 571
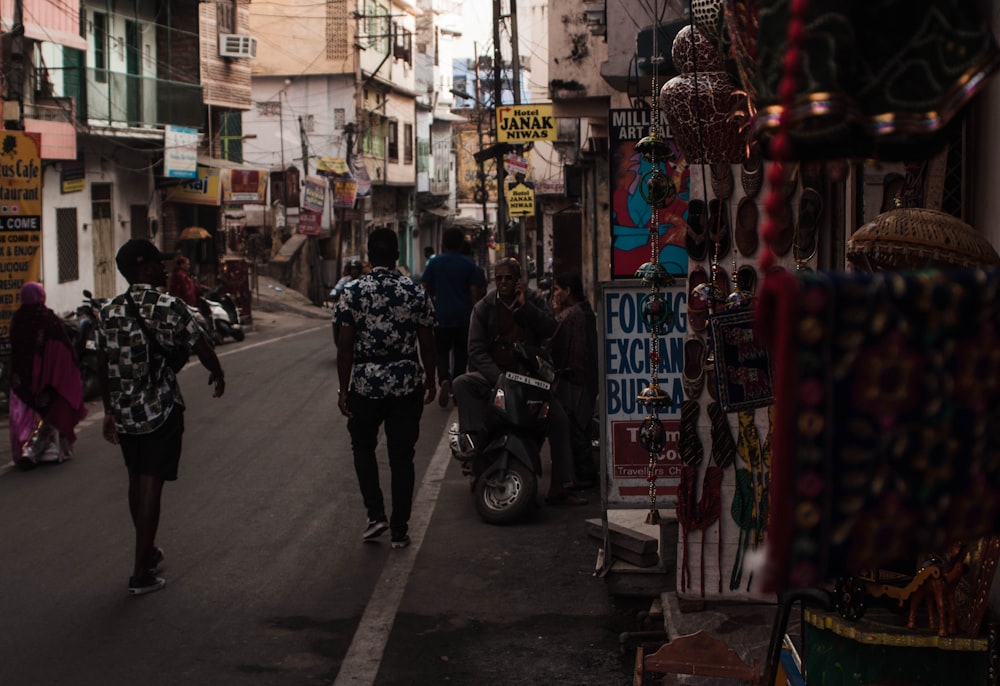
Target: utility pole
column 498, row 17
column 497, row 93
column 515, row 67
column 305, row 148
column 483, row 195
column 281, row 129
column 16, row 74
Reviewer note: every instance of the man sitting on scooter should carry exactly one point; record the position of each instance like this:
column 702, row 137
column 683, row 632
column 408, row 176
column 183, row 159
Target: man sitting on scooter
column 511, row 313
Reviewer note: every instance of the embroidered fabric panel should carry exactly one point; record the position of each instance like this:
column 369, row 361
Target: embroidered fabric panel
column 897, row 447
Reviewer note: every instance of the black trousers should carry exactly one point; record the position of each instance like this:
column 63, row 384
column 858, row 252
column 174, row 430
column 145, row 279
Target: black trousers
column 401, row 416
column 451, row 347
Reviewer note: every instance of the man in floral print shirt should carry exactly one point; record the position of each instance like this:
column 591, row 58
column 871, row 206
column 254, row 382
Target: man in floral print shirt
column 382, row 318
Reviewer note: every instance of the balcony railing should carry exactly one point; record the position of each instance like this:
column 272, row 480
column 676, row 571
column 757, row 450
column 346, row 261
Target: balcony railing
column 117, row 100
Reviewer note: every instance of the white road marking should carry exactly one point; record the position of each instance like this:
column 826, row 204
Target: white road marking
column 364, row 655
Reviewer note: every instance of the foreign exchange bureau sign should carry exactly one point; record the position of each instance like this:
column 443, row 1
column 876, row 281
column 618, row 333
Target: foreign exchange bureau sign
column 525, row 123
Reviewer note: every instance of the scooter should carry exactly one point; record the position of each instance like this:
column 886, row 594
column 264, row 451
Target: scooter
column 225, row 316
column 505, row 465
column 81, row 327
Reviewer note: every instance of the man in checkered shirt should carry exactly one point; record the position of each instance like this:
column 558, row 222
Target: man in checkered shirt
column 143, row 407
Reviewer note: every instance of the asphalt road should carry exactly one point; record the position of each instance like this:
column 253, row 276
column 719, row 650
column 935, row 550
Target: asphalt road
column 268, row 579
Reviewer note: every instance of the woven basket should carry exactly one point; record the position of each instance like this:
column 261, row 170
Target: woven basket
column 918, row 238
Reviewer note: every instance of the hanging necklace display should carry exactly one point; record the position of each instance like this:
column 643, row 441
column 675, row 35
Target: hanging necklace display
column 656, row 189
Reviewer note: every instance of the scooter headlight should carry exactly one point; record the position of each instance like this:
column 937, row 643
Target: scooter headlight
column 500, row 400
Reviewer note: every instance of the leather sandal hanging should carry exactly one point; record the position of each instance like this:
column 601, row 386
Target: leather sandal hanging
column 694, row 514
column 749, row 509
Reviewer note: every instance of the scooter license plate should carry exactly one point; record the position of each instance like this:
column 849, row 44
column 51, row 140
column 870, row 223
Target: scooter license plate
column 521, row 378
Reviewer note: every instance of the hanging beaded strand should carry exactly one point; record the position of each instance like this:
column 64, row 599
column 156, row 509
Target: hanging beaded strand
column 781, row 145
column 657, row 189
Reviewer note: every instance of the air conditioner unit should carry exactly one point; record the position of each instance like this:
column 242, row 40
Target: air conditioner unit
column 237, row 45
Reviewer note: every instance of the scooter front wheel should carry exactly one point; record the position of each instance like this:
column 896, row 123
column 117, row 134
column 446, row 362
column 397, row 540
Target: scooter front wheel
column 503, row 497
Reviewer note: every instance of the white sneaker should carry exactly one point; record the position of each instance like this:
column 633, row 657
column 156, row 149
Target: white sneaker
column 374, row 529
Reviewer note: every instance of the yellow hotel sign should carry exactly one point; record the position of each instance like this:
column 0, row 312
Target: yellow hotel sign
column 525, row 123
column 520, row 200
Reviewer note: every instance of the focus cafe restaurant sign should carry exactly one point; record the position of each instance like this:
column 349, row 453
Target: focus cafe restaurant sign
column 20, row 222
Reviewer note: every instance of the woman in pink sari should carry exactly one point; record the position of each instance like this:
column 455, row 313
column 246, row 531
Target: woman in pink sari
column 46, row 400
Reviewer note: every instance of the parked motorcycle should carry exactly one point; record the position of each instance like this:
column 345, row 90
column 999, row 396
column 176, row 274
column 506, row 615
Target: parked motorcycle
column 81, row 326
column 505, row 466
column 225, row 316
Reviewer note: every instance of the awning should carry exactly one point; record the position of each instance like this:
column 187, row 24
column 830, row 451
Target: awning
column 218, row 163
column 466, row 222
column 441, row 114
column 437, row 212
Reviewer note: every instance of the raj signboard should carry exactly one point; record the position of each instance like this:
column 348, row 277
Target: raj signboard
column 206, row 189
column 626, row 366
column 525, row 123
column 20, row 222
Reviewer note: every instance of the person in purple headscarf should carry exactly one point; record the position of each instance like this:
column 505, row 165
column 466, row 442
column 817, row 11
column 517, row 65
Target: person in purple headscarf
column 46, row 400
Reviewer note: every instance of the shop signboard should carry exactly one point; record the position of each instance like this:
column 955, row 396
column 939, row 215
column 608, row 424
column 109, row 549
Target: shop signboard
column 515, row 164
column 625, row 363
column 240, row 186
column 332, row 166
column 345, row 192
column 310, row 223
column 631, row 211
column 20, row 222
column 205, row 189
column 180, row 152
column 72, row 178
column 314, row 194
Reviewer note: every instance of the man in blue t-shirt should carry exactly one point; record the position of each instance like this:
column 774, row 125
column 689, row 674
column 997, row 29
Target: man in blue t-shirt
column 455, row 283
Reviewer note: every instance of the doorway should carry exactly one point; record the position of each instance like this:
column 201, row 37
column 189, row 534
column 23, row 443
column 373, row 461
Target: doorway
column 567, row 248
column 103, row 240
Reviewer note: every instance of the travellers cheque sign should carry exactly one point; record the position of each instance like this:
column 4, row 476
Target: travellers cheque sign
column 20, row 222
column 525, row 123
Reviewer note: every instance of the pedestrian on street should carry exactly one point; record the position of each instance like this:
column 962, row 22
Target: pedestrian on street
column 352, row 270
column 46, row 399
column 574, row 353
column 382, row 320
column 455, row 283
column 144, row 336
column 181, row 285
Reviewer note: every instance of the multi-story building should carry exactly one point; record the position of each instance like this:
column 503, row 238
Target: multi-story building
column 347, row 97
column 106, row 87
column 438, row 28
